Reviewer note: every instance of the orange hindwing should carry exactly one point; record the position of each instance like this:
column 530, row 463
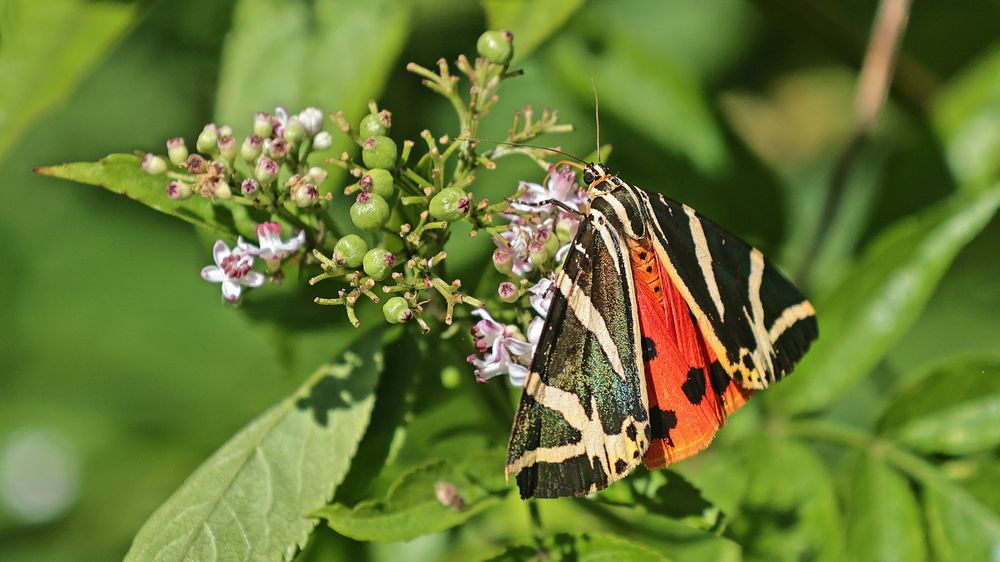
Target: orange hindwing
column 690, row 394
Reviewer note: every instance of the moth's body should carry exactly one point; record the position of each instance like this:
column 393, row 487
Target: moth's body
column 644, row 353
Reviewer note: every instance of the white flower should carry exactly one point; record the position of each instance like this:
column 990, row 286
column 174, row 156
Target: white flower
column 233, row 269
column 503, row 352
column 541, row 296
column 322, row 141
column 272, row 247
column 561, row 187
column 311, row 119
column 281, row 119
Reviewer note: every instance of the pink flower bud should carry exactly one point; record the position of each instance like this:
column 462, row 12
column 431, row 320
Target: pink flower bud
column 507, row 291
column 249, row 186
column 178, row 190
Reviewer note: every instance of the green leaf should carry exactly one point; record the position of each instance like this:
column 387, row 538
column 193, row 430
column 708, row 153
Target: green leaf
column 965, row 113
column 667, row 105
column 883, row 520
column 47, row 48
column 790, row 511
column 666, row 493
column 531, row 22
column 121, row 174
column 583, row 547
column 956, row 534
column 413, row 506
column 332, row 54
column 953, row 409
column 878, row 299
column 250, row 498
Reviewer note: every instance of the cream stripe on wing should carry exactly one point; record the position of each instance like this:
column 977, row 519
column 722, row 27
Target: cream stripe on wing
column 790, row 316
column 592, row 320
column 705, row 260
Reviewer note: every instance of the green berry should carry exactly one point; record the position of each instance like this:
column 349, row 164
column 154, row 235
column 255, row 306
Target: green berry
column 496, row 46
column 369, row 212
column 350, row 251
column 377, row 181
column 379, row 263
column 450, row 204
column 379, row 152
column 375, row 124
column 397, row 310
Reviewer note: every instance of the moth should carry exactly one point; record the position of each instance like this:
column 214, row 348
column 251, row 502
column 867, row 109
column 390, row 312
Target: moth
column 662, row 324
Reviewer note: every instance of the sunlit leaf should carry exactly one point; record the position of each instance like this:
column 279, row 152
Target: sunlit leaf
column 952, row 409
column 251, row 498
column 47, row 48
column 531, row 22
column 332, row 54
column 666, row 493
column 883, row 521
column 880, row 298
column 584, row 547
column 121, row 174
column 425, row 500
column 955, row 533
column 965, row 113
column 667, row 105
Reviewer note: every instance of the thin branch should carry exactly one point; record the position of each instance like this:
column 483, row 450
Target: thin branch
column 872, row 91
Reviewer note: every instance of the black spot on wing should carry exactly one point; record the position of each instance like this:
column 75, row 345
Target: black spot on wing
column 648, row 349
column 620, row 466
column 718, row 378
column 631, row 432
column 661, row 422
column 694, row 385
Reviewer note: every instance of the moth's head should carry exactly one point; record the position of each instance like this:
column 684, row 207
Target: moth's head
column 597, row 178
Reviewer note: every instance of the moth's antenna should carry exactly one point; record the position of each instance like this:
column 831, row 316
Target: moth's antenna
column 597, row 118
column 555, row 150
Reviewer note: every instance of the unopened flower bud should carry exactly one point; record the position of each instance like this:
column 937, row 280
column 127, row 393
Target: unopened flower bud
column 378, row 263
column 221, row 190
column 450, row 204
column 177, row 151
column 537, row 254
column 263, row 126
column 369, row 212
column 249, row 186
column 294, row 131
column 379, row 152
column 252, row 147
column 503, row 260
column 266, row 170
column 277, row 149
column 178, row 190
column 153, row 164
column 566, row 227
column 322, row 141
column 507, row 291
column 305, row 194
column 397, row 311
column 318, row 174
column 350, row 251
column 311, row 119
column 227, row 147
column 208, row 140
column 375, row 124
column 195, row 164
column 550, row 240
column 496, row 46
column 225, row 130
column 377, row 181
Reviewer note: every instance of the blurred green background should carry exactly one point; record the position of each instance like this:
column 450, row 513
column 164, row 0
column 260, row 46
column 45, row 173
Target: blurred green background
column 120, row 371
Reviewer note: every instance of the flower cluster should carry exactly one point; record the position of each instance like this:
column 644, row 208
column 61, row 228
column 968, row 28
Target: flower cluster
column 543, row 220
column 250, row 172
column 402, row 204
column 234, row 267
